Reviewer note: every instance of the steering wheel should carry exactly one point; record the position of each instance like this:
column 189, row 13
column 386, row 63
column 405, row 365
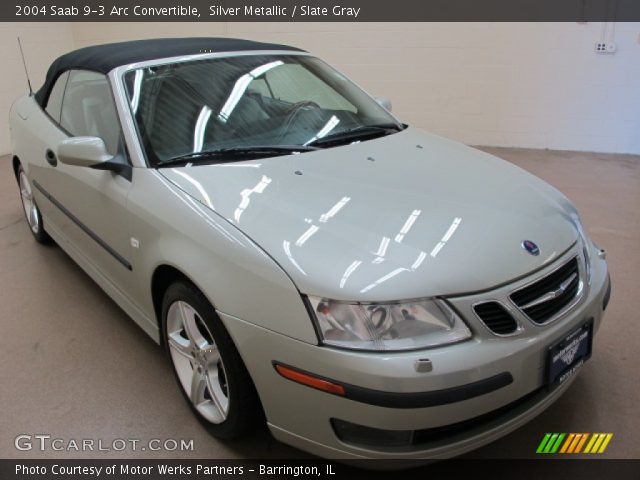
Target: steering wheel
column 304, row 103
column 296, row 107
column 293, row 111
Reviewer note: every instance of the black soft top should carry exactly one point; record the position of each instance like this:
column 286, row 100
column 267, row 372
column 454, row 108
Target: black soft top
column 104, row 58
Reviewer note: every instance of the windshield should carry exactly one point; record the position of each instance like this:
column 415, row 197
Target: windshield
column 188, row 108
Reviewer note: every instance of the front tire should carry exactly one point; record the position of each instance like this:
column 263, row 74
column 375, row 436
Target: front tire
column 207, row 365
column 31, row 210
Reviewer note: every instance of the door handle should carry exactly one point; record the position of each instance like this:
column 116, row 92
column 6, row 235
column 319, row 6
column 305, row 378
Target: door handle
column 51, row 157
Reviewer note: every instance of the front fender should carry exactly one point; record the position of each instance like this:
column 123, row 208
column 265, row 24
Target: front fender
column 237, row 276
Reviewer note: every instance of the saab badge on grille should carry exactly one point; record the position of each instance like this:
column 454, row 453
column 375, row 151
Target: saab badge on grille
column 531, row 247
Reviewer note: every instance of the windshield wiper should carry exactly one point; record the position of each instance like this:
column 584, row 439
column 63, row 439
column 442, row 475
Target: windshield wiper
column 232, row 154
column 352, row 134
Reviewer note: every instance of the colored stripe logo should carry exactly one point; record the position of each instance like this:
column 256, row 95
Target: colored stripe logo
column 574, row 443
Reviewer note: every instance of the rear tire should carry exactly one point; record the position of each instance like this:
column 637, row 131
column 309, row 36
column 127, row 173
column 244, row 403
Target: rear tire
column 31, row 211
column 210, row 373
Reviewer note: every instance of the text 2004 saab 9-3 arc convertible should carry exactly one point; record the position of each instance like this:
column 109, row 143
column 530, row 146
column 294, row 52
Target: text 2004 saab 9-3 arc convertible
column 367, row 289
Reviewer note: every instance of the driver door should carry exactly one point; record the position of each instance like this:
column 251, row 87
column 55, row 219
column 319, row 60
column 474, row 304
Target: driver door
column 91, row 204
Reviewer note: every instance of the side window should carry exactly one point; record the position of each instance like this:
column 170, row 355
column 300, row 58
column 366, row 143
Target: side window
column 88, row 109
column 54, row 103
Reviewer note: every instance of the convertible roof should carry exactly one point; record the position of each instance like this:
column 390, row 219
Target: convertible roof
column 104, row 58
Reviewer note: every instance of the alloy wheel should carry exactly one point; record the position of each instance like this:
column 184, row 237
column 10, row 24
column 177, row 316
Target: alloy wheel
column 28, row 204
column 197, row 362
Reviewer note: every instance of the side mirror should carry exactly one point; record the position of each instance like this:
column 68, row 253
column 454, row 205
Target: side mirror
column 84, row 152
column 384, row 103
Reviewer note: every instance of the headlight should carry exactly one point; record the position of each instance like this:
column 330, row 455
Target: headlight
column 388, row 326
column 586, row 244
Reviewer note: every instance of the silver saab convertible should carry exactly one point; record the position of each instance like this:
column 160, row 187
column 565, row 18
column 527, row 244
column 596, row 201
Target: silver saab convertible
column 367, row 289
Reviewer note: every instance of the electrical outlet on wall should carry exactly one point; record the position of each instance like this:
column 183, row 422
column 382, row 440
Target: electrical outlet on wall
column 605, row 47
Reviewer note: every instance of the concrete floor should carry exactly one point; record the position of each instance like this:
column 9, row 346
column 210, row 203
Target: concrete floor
column 74, row 366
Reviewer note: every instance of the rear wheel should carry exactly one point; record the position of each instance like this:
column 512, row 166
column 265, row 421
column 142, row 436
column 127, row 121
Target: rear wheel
column 209, row 370
column 31, row 210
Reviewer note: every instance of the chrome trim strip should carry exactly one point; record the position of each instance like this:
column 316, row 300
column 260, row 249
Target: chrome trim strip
column 552, row 294
column 576, row 299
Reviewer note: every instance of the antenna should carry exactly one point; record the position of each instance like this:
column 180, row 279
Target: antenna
column 25, row 67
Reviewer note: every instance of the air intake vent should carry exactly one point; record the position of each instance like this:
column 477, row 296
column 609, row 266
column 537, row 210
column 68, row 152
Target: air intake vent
column 545, row 298
column 496, row 318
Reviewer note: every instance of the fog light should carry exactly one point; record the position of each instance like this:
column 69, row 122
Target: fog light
column 370, row 437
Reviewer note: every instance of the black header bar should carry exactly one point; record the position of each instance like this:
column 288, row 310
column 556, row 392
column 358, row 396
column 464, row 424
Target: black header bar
column 320, row 10
column 116, row 469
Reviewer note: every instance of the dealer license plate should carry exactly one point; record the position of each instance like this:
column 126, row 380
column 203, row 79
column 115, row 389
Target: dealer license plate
column 569, row 354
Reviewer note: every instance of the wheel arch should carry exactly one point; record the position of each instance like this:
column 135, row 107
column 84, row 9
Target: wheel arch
column 163, row 276
column 16, row 164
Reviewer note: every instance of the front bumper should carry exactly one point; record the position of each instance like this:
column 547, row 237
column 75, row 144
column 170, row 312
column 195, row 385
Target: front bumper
column 302, row 417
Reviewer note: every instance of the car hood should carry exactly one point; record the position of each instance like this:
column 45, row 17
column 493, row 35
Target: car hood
column 404, row 216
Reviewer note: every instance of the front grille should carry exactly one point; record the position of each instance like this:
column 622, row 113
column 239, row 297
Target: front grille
column 496, row 318
column 543, row 299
